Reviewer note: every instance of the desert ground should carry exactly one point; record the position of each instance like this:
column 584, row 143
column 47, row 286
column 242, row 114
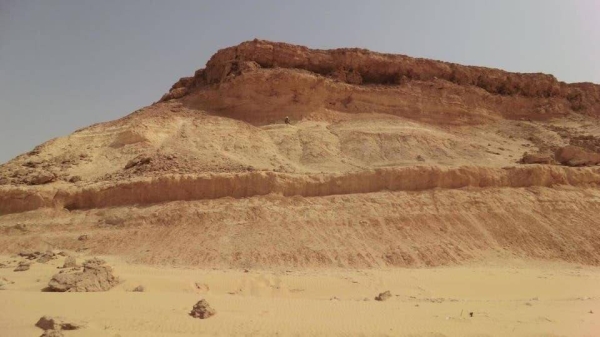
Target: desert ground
column 516, row 298
column 465, row 199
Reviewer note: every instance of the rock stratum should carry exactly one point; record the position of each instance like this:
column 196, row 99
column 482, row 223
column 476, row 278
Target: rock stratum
column 388, row 161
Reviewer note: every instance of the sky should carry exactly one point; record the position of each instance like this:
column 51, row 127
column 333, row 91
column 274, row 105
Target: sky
column 66, row 64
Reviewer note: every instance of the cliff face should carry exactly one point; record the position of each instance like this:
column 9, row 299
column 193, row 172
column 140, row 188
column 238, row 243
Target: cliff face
column 363, row 67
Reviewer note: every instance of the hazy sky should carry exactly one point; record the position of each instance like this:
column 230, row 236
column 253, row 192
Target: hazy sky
column 68, row 64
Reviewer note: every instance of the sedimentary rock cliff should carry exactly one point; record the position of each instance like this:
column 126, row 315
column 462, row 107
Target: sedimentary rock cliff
column 388, row 161
column 363, row 67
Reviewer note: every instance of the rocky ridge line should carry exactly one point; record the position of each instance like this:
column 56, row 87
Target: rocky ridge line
column 361, row 66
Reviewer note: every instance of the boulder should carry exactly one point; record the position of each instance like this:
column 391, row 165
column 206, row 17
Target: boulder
column 96, row 276
column 202, row 310
column 577, row 156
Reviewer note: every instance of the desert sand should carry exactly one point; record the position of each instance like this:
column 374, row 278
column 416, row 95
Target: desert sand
column 516, row 298
column 460, row 190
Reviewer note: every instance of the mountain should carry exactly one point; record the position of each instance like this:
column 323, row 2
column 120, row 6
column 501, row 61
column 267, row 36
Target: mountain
column 387, row 160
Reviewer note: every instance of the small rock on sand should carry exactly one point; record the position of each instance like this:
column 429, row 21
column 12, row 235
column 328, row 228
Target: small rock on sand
column 58, row 323
column 139, row 289
column 383, row 296
column 202, row 310
column 83, row 237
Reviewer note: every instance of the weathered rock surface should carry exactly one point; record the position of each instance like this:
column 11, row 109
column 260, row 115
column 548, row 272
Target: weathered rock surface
column 96, row 276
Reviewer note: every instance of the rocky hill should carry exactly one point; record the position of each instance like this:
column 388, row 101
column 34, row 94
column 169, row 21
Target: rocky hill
column 388, row 161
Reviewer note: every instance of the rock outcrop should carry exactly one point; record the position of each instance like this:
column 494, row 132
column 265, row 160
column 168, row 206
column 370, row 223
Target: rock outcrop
column 360, row 66
column 96, row 276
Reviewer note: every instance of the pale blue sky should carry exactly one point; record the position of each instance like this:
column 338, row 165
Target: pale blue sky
column 65, row 64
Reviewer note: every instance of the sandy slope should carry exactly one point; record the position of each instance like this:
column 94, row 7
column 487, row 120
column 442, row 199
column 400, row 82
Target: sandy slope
column 512, row 299
column 404, row 228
